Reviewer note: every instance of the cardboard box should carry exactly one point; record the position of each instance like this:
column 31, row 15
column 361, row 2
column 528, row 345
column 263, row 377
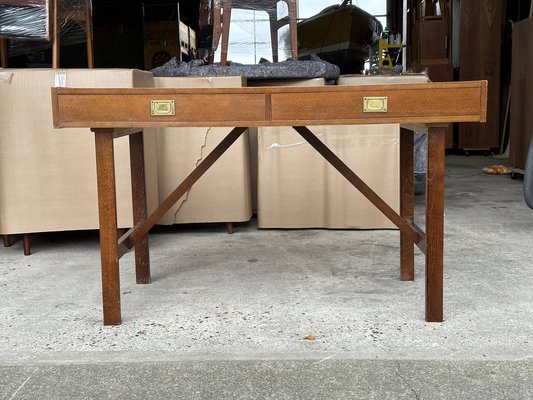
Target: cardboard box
column 223, row 194
column 298, row 188
column 252, row 131
column 47, row 175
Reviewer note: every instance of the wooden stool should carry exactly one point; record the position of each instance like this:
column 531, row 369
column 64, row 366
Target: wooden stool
column 221, row 23
column 56, row 14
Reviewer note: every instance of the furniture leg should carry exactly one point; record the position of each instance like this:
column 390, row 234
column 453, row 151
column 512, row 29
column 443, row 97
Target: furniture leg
column 7, row 240
column 229, row 228
column 138, row 188
column 26, row 244
column 89, row 34
column 4, row 52
column 56, row 34
column 435, row 224
column 217, row 31
column 107, row 209
column 293, row 25
column 273, row 16
column 407, row 199
column 226, row 20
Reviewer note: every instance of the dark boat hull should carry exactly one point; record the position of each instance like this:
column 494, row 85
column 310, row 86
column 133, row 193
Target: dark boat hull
column 341, row 35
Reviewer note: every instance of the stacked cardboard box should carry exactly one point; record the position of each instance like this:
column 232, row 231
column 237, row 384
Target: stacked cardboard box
column 298, row 188
column 48, row 176
column 223, row 194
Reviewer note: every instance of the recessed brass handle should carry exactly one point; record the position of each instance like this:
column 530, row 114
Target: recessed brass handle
column 162, row 107
column 375, row 104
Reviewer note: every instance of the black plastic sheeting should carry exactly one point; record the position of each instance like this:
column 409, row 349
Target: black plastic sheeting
column 289, row 69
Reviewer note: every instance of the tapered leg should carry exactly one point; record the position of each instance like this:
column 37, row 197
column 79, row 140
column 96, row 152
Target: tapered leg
column 407, row 246
column 138, row 188
column 7, row 240
column 229, row 227
column 26, row 245
column 107, row 208
column 435, row 224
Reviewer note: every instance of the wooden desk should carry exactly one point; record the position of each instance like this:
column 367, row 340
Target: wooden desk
column 428, row 107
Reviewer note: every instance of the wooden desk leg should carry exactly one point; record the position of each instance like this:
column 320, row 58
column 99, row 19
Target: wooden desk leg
column 138, row 188
column 107, row 208
column 407, row 199
column 435, row 224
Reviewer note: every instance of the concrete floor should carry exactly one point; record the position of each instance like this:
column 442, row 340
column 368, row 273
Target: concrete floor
column 227, row 315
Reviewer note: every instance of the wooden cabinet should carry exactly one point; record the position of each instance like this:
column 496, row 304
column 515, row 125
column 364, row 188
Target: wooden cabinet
column 521, row 93
column 430, row 39
column 481, row 30
column 429, row 43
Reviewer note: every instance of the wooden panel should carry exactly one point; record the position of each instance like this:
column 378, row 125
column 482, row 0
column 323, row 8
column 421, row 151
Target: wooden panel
column 435, row 41
column 201, row 108
column 521, row 129
column 270, row 106
column 480, row 59
column 344, row 106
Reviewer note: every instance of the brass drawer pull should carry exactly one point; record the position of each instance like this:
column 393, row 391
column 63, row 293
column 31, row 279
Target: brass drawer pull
column 163, row 107
column 375, row 104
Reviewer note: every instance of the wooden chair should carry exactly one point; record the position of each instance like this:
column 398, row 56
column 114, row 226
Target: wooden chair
column 55, row 13
column 222, row 20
